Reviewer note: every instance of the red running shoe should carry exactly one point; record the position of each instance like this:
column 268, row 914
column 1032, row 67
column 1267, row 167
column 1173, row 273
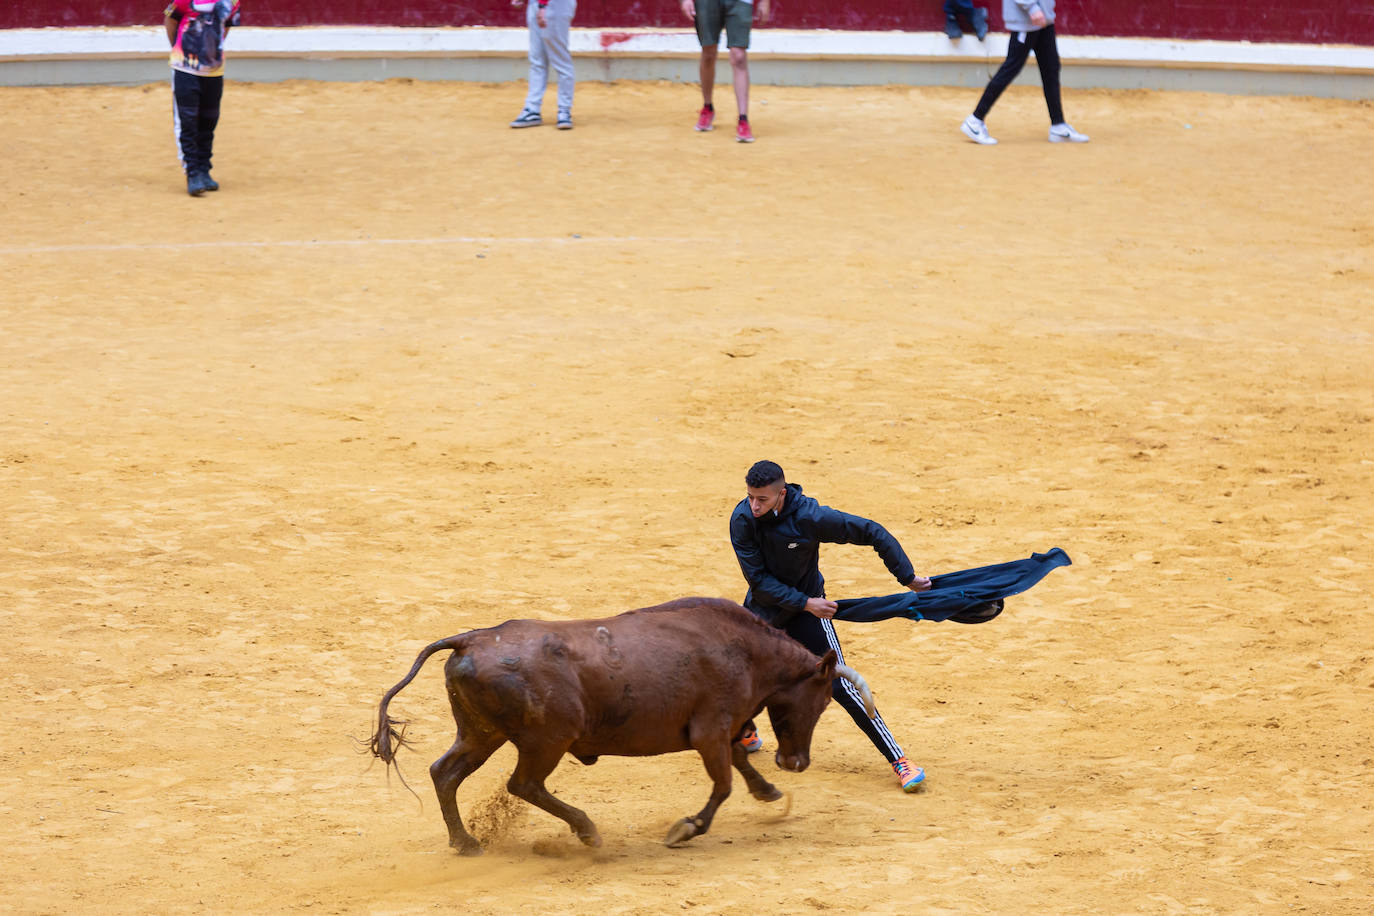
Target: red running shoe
column 707, row 119
column 743, row 134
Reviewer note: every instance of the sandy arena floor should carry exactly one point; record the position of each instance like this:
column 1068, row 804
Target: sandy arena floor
column 411, row 372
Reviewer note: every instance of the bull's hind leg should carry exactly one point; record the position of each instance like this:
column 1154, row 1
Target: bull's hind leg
column 527, row 782
column 448, row 772
column 758, row 787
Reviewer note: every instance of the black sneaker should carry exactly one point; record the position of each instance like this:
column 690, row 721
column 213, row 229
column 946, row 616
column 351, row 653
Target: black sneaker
column 980, row 22
column 952, row 28
column 209, row 183
column 195, row 184
column 527, row 119
column 565, row 120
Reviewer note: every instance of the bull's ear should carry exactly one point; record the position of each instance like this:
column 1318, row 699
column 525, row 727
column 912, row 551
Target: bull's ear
column 826, row 666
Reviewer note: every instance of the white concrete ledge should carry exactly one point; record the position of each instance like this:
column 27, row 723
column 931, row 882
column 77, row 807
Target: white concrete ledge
column 29, row 56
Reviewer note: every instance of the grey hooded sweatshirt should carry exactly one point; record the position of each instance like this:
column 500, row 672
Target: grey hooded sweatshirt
column 1016, row 14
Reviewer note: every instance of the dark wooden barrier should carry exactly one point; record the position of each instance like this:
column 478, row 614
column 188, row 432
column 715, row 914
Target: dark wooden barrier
column 1312, row 21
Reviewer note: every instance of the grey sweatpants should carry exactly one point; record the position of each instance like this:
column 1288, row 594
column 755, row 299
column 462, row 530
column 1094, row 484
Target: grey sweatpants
column 549, row 48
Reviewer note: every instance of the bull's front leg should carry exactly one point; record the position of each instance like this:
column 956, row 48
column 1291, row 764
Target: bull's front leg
column 716, row 756
column 758, row 787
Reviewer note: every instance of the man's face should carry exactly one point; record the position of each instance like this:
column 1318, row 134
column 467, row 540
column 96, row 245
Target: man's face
column 763, row 500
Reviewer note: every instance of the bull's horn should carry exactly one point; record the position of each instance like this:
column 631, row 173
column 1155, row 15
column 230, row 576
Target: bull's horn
column 861, row 685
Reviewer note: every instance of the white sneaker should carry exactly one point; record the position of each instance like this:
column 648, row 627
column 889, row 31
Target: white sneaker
column 977, row 131
column 1064, row 133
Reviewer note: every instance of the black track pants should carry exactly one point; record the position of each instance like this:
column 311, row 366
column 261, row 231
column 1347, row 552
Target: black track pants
column 195, row 113
column 1021, row 45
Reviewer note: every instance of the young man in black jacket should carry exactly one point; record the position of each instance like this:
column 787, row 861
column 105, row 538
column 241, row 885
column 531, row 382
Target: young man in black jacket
column 777, row 532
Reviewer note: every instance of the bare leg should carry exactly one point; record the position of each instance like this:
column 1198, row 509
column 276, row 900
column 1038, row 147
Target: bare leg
column 739, row 70
column 448, row 772
column 708, row 73
column 527, row 782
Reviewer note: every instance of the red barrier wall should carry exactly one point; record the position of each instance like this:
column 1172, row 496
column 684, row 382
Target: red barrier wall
column 1314, row 21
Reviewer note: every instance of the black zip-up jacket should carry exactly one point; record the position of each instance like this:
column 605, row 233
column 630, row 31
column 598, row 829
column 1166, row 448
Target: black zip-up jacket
column 780, row 554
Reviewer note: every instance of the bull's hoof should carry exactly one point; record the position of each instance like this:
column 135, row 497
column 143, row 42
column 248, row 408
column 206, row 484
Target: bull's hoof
column 591, row 839
column 682, row 831
column 467, row 849
column 768, row 793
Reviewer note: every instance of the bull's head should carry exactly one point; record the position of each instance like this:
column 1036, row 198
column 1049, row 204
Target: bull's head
column 795, row 710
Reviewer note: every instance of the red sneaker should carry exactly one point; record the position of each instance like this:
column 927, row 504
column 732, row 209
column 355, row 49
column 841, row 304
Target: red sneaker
column 707, row 119
column 743, row 134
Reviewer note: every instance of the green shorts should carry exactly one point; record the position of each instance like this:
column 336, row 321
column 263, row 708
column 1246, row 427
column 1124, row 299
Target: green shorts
column 736, row 16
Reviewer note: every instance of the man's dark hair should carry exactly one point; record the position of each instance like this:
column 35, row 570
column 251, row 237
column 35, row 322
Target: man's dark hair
column 762, row 474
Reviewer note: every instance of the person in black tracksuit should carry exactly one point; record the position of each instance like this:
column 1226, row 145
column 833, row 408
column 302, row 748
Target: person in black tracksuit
column 776, row 532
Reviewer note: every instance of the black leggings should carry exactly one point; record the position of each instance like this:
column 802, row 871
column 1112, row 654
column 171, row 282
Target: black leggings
column 1019, row 48
column 819, row 636
column 196, row 112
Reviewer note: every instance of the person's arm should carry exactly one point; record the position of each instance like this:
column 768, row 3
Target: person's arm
column 765, row 10
column 837, row 527
column 170, row 22
column 541, row 14
column 765, row 586
column 689, row 9
column 1033, row 11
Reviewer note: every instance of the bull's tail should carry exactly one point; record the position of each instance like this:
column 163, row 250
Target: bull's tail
column 391, row 734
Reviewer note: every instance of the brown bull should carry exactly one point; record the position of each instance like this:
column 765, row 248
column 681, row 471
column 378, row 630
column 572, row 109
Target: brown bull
column 685, row 675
